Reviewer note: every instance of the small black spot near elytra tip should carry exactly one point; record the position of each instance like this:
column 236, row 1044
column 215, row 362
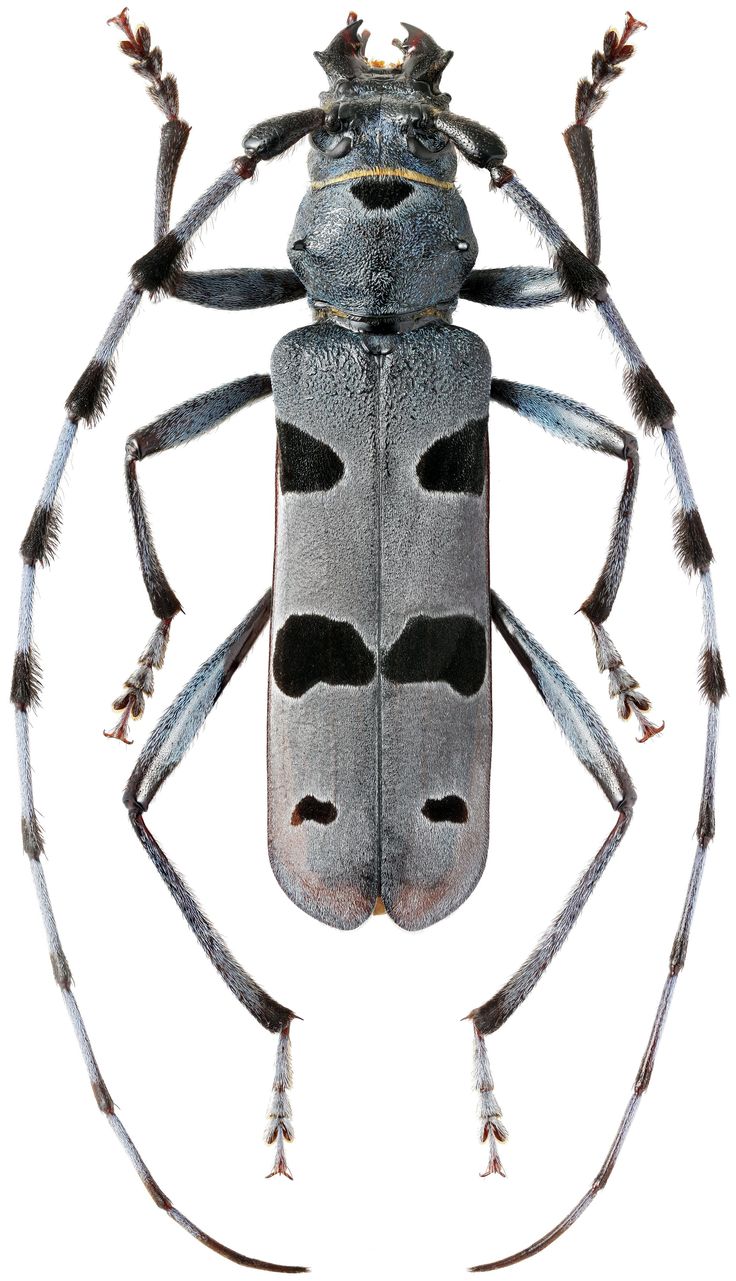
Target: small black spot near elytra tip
column 451, row 649
column 381, row 193
column 456, row 464
column 447, row 809
column 307, row 465
column 311, row 648
column 309, row 809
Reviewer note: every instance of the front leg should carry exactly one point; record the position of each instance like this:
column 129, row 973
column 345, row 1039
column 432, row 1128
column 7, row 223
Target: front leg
column 583, row 282
column 163, row 91
column 180, row 425
column 157, row 271
column 513, row 287
column 233, row 290
column 238, row 288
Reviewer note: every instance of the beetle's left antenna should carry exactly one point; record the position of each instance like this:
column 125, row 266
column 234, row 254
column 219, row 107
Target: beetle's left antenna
column 87, row 402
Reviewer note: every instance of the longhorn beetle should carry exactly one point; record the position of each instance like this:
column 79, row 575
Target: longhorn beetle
column 376, row 636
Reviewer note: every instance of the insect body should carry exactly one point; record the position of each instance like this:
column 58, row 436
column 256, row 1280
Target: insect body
column 381, row 623
column 381, row 610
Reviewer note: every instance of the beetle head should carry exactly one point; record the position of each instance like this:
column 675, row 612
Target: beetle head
column 382, row 228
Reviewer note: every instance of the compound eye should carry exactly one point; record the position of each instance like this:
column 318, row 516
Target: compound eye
column 335, row 138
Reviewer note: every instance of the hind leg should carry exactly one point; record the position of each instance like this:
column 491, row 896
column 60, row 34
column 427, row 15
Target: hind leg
column 162, row 753
column 596, row 750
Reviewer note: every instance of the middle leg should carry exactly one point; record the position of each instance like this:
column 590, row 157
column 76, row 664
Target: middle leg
column 188, row 421
column 578, row 425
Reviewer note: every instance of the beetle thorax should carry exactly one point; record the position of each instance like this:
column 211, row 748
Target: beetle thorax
column 382, row 228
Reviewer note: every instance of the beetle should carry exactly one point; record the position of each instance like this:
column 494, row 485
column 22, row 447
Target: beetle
column 424, row 643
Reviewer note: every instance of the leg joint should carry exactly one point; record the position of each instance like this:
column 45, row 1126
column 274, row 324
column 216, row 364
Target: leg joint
column 132, row 450
column 136, row 809
column 631, row 446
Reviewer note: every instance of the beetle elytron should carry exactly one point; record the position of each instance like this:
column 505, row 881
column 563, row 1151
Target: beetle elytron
column 381, row 612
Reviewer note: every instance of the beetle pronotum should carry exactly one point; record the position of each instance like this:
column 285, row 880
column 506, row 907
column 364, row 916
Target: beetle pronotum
column 478, row 219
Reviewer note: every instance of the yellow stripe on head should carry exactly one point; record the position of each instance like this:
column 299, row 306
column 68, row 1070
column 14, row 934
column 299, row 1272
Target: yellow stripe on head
column 410, row 175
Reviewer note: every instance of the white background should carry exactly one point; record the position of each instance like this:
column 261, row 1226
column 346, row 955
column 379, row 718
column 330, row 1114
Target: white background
column 386, row 1158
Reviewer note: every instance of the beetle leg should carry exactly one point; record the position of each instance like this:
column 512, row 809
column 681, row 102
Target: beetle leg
column 163, row 751
column 160, row 756
column 677, row 957
column 158, row 270
column 607, row 66
column 163, row 91
column 231, row 290
column 596, row 750
column 279, row 1129
column 584, row 282
column 37, row 549
column 513, row 287
column 578, row 425
column 492, row 1129
column 238, row 288
column 186, row 422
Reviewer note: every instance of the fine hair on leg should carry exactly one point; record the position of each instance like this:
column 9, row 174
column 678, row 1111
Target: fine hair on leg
column 87, row 402
column 595, row 749
column 583, row 282
column 576, row 424
column 178, row 426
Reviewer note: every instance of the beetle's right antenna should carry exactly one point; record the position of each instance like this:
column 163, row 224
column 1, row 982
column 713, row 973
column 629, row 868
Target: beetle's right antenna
column 654, row 410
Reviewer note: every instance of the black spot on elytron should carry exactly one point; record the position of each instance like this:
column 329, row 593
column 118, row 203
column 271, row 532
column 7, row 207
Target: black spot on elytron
column 439, row 649
column 456, row 464
column 381, row 193
column 307, row 464
column 310, row 649
column 309, row 809
column 448, row 809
